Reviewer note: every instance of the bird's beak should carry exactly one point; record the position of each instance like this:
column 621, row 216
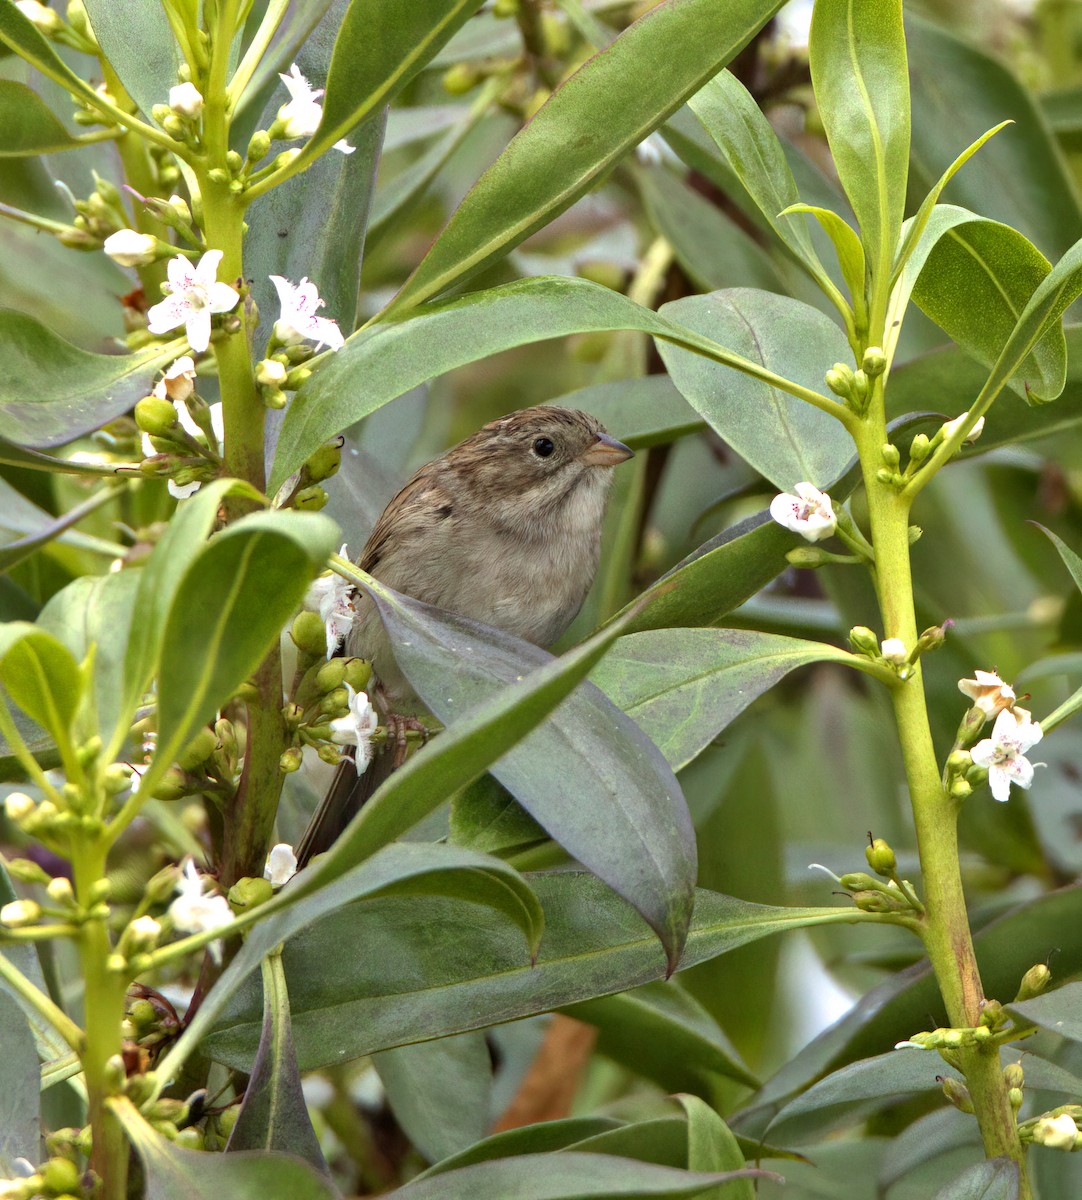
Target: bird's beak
column 606, row 452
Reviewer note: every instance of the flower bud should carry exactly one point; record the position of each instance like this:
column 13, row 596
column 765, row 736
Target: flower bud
column 291, row 760
column 861, row 386
column 156, row 416
column 460, row 79
column 358, row 673
column 26, row 871
column 330, row 754
column 259, row 145
column 234, row 162
column 325, row 462
column 992, row 1014
column 185, row 100
column 269, row 372
column 60, row 1176
column 1034, row 982
column 505, row 8
column 839, row 380
column 890, row 454
column 919, row 447
column 933, row 637
column 310, row 499
column 331, row 675
column 881, row 858
column 1015, row 1096
column 19, row 913
column 960, row 789
column 1013, row 1075
column 309, row 634
column 190, row 1138
column 142, row 935
column 864, row 641
column 249, row 892
column 131, row 249
column 874, row 362
column 198, row 750
column 894, row 651
column 914, row 534
column 61, row 892
column 1057, row 1133
column 18, row 806
column 957, row 1093
column 44, row 20
column 806, row 557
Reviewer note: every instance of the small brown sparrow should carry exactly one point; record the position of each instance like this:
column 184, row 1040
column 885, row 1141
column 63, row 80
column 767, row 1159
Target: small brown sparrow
column 504, row 528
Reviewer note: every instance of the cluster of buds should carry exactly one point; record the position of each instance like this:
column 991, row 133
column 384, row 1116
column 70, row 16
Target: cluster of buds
column 921, row 448
column 70, row 812
column 171, row 1118
column 59, row 1176
column 75, row 32
column 58, row 911
column 1000, row 759
column 181, row 433
column 97, row 218
column 854, row 387
column 304, row 489
column 892, row 652
column 1057, row 1129
column 208, row 764
column 150, row 1024
column 180, row 118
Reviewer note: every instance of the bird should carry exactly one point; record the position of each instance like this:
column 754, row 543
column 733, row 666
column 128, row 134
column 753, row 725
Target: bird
column 504, row 528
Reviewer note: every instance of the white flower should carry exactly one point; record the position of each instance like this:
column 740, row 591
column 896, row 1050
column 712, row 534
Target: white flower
column 332, row 597
column 298, row 321
column 20, row 912
column 143, row 933
column 195, row 912
column 952, row 427
column 186, row 100
column 894, row 651
column 40, row 15
column 18, row 806
column 131, row 249
column 357, row 727
column 194, row 294
column 1058, row 1133
column 178, row 382
column 1004, row 752
column 301, row 116
column 281, row 865
column 988, row 692
column 809, row 512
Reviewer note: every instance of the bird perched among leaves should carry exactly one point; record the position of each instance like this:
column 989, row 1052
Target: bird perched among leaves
column 504, row 528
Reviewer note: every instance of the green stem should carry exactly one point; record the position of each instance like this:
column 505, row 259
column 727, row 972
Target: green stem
column 945, row 925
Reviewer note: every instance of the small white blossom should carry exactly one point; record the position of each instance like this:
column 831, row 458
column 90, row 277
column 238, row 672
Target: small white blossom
column 40, row 15
column 270, row 372
column 193, row 911
column 18, row 806
column 194, row 294
column 357, row 727
column 177, row 383
column 894, row 651
column 809, row 512
column 186, row 100
column 20, row 912
column 988, row 692
column 301, row 116
column 300, row 302
column 1004, row 752
column 281, row 865
column 952, row 427
column 332, row 597
column 1058, row 1133
column 131, row 249
column 143, row 933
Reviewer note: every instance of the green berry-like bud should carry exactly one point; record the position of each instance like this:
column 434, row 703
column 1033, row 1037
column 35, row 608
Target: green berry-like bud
column 249, row 892
column 190, row 1138
column 960, row 789
column 859, row 880
column 806, row 557
column 860, row 385
column 325, row 462
column 1034, row 982
column 881, row 858
column 864, row 641
column 174, row 784
column 1013, row 1075
column 838, row 383
column 218, row 175
column 890, row 455
column 61, row 1175
column 156, row 416
column 505, row 8
column 358, row 673
column 874, row 362
column 234, row 161
column 958, row 1094
column 919, row 447
column 100, row 891
column 259, row 145
column 309, row 634
column 992, row 1014
column 19, row 913
column 198, row 750
column 331, row 675
column 330, row 754
column 291, row 760
column 26, row 871
column 311, row 499
column 1015, row 1096
column 143, row 1014
column 460, row 79
column 60, row 892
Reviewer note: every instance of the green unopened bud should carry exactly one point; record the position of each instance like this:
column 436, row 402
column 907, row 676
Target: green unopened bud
column 861, row 386
column 248, row 893
column 325, row 462
column 958, row 1094
column 874, row 362
column 291, row 760
column 190, row 1138
column 60, row 1176
column 143, row 1014
column 854, row 880
column 329, row 754
column 234, row 161
column 864, row 641
column 960, row 789
column 100, row 891
column 890, row 454
column 1013, row 1075
column 284, row 159
column 218, row 175
column 460, row 79
column 115, row 1075
column 914, row 533
column 331, row 675
column 176, row 127
column 335, row 702
column 299, row 376
column 117, row 778
column 1034, row 982
column 881, row 858
column 43, row 18
column 198, row 750
column 166, row 1108
column 840, row 381
column 26, row 871
column 18, row 806
column 1015, row 1096
column 269, row 372
column 311, row 499
column 60, row 892
column 19, row 913
column 156, row 416
column 358, row 673
column 806, row 557
column 173, row 785
column 259, row 145
column 919, row 447
column 274, row 398
column 932, row 638
column 886, row 476
column 505, row 8
column 992, row 1014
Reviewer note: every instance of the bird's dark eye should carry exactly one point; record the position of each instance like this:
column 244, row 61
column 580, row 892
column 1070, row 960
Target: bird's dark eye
column 543, row 447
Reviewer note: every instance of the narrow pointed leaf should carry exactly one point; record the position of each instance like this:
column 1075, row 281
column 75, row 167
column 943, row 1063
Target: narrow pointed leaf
column 41, row 676
column 997, row 1179
column 27, row 124
column 712, row 1147
column 847, row 246
column 20, row 34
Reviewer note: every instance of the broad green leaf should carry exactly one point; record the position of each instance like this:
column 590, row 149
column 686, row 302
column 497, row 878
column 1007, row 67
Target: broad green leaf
column 27, row 124
column 684, row 686
column 97, row 610
column 172, row 1173
column 713, row 250
column 540, row 1138
column 273, row 1114
column 570, row 1176
column 386, row 360
column 20, row 34
column 783, row 438
column 847, row 246
column 661, row 1140
column 41, row 676
column 227, row 611
column 976, row 280
column 608, row 106
column 712, row 1147
column 20, row 1129
column 35, row 527
column 663, row 1033
column 413, row 871
column 996, row 1179
column 1057, row 1011
column 643, row 412
column 635, row 834
column 486, row 817
column 859, row 71
column 139, row 44
column 439, row 1092
column 433, row 967
column 381, row 45
column 940, row 1132
column 1020, row 178
column 51, row 392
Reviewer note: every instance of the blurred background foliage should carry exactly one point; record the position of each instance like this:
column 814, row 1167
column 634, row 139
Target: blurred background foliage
column 813, row 766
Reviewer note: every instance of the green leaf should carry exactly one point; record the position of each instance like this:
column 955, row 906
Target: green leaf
column 1057, row 1011
column 386, row 360
column 273, row 1114
column 405, row 870
column 20, row 34
column 635, row 834
column 1021, row 178
column 173, row 1173
column 848, row 247
column 570, row 1176
column 686, row 685
column 51, row 392
column 381, row 46
column 783, row 438
column 712, row 1147
column 27, row 124
column 139, row 44
column 439, row 1092
column 751, row 150
column 643, row 412
column 1073, row 564
column 20, row 1129
column 608, row 106
column 41, row 676
column 861, row 80
column 662, row 1032
column 486, row 817
column 433, row 968
column 976, row 280
column 232, row 603
column 996, row 1179
column 35, row 527
column 540, row 1138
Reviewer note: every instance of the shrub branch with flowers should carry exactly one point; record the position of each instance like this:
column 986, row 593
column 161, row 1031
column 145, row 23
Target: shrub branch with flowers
column 167, row 974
